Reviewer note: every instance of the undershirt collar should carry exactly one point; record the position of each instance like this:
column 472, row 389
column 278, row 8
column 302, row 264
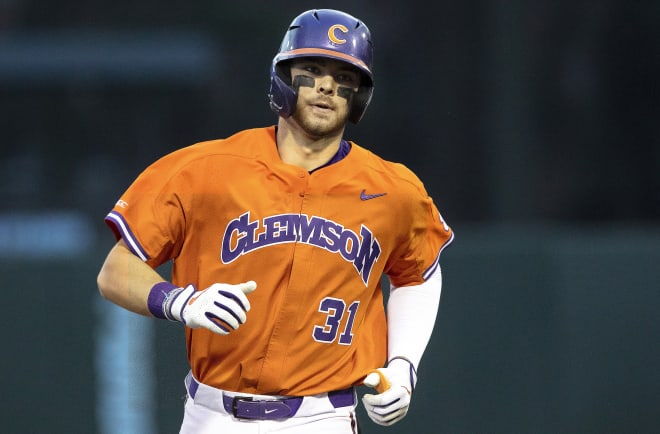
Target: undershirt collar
column 342, row 152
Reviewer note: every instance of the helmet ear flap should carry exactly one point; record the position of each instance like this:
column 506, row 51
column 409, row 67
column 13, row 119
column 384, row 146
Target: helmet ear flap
column 359, row 103
column 282, row 95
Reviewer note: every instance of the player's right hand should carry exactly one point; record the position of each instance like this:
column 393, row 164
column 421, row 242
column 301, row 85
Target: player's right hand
column 220, row 308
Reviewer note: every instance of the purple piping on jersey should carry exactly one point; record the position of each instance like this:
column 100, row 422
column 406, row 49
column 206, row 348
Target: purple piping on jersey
column 436, row 263
column 117, row 220
column 342, row 152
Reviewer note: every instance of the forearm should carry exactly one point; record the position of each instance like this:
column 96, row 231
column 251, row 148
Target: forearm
column 412, row 311
column 126, row 280
column 411, row 314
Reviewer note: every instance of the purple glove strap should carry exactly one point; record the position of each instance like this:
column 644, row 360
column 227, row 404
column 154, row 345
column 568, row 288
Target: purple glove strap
column 413, row 371
column 157, row 296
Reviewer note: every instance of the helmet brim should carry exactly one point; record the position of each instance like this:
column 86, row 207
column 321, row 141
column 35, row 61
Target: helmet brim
column 320, row 52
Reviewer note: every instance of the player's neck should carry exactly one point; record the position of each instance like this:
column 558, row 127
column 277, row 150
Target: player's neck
column 299, row 149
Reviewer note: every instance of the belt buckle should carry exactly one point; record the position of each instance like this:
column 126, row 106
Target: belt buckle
column 234, row 403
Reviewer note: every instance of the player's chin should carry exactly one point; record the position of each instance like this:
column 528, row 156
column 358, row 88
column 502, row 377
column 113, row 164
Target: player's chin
column 315, row 126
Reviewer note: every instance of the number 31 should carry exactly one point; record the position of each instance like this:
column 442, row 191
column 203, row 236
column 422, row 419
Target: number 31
column 336, row 309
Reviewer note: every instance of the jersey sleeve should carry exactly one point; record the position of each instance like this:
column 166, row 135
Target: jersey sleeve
column 418, row 255
column 150, row 215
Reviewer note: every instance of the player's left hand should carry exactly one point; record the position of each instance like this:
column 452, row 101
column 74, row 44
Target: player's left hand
column 390, row 405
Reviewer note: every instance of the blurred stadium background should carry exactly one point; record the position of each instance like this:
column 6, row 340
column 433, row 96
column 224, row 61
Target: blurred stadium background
column 535, row 126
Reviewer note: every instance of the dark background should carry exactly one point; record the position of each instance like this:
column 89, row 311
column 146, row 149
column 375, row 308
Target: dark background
column 535, row 127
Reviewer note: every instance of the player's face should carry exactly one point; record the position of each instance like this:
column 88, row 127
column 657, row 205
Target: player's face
column 322, row 108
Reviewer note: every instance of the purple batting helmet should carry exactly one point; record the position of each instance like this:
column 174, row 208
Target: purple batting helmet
column 323, row 33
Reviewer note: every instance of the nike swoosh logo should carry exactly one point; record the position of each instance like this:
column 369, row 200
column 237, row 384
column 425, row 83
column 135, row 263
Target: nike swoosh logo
column 365, row 196
column 267, row 411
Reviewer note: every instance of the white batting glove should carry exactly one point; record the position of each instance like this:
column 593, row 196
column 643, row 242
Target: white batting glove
column 395, row 385
column 220, row 308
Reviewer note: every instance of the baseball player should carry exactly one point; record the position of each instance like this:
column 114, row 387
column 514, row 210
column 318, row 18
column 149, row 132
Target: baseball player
column 279, row 237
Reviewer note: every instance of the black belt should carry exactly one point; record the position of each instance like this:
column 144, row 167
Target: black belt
column 247, row 407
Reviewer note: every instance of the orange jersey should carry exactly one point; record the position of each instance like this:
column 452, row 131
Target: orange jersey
column 316, row 243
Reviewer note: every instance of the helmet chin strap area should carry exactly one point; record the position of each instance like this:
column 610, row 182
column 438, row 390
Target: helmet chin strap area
column 306, row 81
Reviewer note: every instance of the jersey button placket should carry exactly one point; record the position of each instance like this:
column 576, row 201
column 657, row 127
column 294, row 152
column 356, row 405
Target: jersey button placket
column 302, row 175
column 283, row 334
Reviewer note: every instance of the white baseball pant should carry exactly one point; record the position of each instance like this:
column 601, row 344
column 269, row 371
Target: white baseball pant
column 211, row 411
